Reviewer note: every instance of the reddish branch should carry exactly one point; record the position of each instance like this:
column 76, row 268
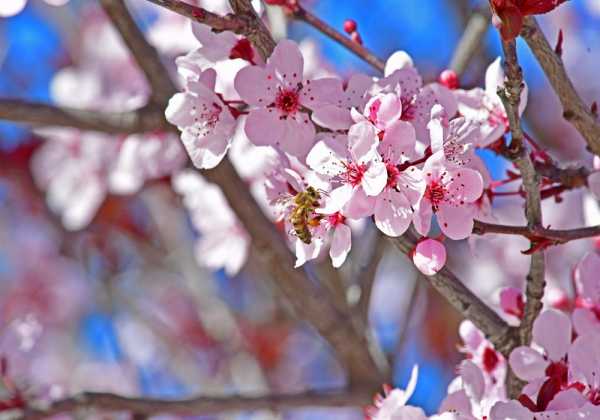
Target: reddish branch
column 230, row 22
column 553, row 236
column 304, row 15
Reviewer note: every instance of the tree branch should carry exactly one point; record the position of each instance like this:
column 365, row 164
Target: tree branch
column 38, row 114
column 511, row 97
column 230, row 22
column 304, row 15
column 500, row 334
column 574, row 109
column 197, row 406
column 470, row 40
column 145, row 55
column 537, row 234
column 308, row 301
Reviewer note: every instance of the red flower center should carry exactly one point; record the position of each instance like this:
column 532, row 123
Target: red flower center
column 336, row 219
column 408, row 109
column 354, row 173
column 490, row 359
column 435, row 193
column 373, row 110
column 392, row 174
column 287, row 101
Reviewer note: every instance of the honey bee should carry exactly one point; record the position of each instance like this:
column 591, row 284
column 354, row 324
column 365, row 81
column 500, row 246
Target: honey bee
column 303, row 213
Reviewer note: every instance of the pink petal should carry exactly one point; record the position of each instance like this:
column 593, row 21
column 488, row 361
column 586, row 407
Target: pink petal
column 398, row 141
column 470, row 335
column 307, row 252
column 527, row 363
column 264, row 128
column 422, row 217
column 340, row 244
column 206, row 152
column 552, row 331
column 585, row 321
column 319, row 92
column 584, row 358
column 456, row 402
column 299, row 136
column 436, row 127
column 384, row 110
column 375, row 178
column 332, row 117
column 393, row 213
column 362, row 142
column 429, row 256
column 455, row 221
column 179, row 110
column 255, row 86
column 286, row 63
column 397, row 61
column 336, row 199
column 494, row 77
column 511, row 410
column 208, row 78
column 586, row 274
column 326, row 158
column 567, row 399
column 360, row 205
column 465, row 185
column 472, row 376
column 445, row 97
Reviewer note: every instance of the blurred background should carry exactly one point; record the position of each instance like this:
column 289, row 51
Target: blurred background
column 121, row 303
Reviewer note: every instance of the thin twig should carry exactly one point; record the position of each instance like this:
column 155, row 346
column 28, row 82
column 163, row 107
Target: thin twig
column 230, row 22
column 197, row 406
column 466, row 302
column 537, row 234
column 304, row 15
column 37, row 114
column 574, row 108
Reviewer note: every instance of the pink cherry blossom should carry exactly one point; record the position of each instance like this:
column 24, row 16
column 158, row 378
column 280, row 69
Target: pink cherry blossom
column 353, row 164
column 278, row 96
column 392, row 405
column 334, row 112
column 429, row 256
column 552, row 333
column 586, row 316
column 223, row 242
column 485, row 107
column 405, row 186
column 450, row 191
column 206, row 122
column 416, row 101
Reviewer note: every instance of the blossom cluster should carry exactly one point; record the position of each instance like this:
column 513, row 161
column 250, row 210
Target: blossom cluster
column 394, row 149
column 560, row 369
